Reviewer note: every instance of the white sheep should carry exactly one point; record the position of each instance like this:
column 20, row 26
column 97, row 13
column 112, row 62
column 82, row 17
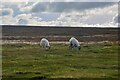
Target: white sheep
column 74, row 43
column 45, row 43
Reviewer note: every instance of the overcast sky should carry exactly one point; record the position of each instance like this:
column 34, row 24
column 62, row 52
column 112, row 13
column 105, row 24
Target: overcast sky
column 74, row 13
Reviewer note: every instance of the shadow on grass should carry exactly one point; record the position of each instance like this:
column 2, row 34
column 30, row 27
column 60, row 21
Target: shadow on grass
column 44, row 78
column 92, row 67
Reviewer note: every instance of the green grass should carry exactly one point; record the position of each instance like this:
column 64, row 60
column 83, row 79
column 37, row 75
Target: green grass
column 31, row 61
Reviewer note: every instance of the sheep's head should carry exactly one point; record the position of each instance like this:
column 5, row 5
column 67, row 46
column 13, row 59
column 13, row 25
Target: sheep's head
column 79, row 47
column 48, row 47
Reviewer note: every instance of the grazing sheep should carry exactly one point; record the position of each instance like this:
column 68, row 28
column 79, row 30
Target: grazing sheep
column 45, row 43
column 74, row 43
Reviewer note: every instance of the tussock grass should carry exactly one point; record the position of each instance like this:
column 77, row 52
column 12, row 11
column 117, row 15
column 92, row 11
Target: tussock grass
column 31, row 61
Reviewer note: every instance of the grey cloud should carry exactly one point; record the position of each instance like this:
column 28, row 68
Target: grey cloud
column 67, row 6
column 14, row 6
column 5, row 12
column 22, row 22
column 117, row 19
column 97, row 0
column 76, row 0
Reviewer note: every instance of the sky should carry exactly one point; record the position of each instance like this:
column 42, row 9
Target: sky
column 71, row 13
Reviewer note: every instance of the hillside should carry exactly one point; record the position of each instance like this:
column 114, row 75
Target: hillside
column 53, row 33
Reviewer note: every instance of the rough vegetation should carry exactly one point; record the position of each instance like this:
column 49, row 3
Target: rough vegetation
column 27, row 61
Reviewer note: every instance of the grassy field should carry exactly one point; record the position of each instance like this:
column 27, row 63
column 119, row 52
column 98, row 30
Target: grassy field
column 99, row 61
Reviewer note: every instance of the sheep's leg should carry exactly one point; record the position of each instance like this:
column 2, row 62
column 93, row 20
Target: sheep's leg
column 43, row 45
column 71, row 45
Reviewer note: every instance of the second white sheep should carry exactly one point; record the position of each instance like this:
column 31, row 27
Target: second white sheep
column 74, row 43
column 45, row 43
